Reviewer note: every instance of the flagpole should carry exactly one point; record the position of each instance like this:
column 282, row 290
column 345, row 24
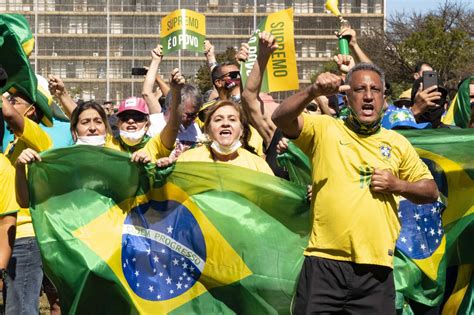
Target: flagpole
column 36, row 35
column 179, row 51
column 107, row 93
column 254, row 15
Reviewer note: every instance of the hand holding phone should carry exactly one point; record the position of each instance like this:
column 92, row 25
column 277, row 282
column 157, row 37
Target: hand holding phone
column 139, row 71
column 430, row 78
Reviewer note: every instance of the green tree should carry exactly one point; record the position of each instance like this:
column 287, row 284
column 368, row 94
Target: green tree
column 203, row 76
column 442, row 37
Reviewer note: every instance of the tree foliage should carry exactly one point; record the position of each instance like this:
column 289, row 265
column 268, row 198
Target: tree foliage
column 203, row 75
column 441, row 37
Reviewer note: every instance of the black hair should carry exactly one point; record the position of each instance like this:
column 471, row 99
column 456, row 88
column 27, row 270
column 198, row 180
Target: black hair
column 420, row 64
column 85, row 106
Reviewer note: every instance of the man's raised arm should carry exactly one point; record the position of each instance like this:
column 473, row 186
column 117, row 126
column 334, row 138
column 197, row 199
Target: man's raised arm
column 287, row 116
column 260, row 117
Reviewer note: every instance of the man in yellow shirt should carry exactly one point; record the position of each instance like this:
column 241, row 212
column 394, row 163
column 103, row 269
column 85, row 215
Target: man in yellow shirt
column 359, row 172
column 25, row 273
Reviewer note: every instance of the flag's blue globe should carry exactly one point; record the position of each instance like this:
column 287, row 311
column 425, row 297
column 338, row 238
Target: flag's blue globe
column 422, row 228
column 163, row 250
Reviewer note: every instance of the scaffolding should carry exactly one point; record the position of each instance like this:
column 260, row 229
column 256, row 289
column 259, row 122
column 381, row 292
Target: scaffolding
column 93, row 44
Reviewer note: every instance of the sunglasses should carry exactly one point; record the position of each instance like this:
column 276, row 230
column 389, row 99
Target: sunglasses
column 232, row 75
column 191, row 115
column 14, row 100
column 135, row 116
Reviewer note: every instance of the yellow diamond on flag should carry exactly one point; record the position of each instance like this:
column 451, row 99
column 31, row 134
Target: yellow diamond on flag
column 163, row 249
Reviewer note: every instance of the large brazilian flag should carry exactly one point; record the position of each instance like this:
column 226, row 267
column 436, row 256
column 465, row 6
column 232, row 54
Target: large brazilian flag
column 117, row 238
column 210, row 238
column 437, row 236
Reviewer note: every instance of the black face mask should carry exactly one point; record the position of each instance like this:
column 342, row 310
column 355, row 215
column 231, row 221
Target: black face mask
column 432, row 115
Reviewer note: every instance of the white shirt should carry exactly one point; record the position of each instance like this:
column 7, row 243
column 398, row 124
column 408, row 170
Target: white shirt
column 187, row 135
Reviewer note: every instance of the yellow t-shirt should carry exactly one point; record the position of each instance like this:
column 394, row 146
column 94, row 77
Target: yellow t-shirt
column 112, row 143
column 243, row 159
column 256, row 141
column 154, row 147
column 37, row 139
column 33, row 137
column 350, row 222
column 8, row 204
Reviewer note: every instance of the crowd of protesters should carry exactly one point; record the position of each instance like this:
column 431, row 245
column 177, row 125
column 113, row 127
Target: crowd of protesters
column 339, row 121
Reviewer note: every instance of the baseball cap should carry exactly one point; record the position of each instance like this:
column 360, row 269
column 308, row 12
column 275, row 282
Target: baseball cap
column 137, row 104
column 401, row 118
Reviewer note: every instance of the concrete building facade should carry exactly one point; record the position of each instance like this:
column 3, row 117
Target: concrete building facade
column 93, row 44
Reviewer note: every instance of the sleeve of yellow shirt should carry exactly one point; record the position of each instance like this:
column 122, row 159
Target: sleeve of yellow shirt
column 34, row 137
column 8, row 204
column 156, row 149
column 306, row 141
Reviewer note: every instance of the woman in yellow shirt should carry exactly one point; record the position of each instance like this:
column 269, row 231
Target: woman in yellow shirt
column 228, row 130
column 133, row 121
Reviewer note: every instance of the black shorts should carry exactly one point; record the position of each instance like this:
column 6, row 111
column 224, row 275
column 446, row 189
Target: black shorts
column 338, row 287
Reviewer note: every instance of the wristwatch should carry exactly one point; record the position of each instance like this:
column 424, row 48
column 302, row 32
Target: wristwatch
column 3, row 273
column 212, row 64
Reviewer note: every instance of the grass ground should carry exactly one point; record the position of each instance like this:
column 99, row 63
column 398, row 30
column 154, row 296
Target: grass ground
column 44, row 305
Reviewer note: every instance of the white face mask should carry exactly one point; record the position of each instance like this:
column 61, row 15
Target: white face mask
column 224, row 150
column 132, row 138
column 236, row 98
column 97, row 141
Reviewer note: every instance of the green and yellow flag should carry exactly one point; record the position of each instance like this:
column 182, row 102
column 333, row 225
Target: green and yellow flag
column 420, row 274
column 281, row 73
column 202, row 239
column 183, row 29
column 212, row 238
column 16, row 44
column 459, row 111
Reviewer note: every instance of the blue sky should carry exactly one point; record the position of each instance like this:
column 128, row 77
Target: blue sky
column 417, row 5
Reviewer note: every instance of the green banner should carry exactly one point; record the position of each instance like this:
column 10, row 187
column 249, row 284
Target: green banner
column 183, row 29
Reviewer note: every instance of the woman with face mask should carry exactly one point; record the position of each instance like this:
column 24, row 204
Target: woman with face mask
column 89, row 125
column 133, row 122
column 228, row 130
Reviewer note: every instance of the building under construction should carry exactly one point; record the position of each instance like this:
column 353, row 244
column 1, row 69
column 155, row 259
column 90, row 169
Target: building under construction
column 93, row 44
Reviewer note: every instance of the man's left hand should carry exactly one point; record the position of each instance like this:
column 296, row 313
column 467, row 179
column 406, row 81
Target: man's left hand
column 383, row 181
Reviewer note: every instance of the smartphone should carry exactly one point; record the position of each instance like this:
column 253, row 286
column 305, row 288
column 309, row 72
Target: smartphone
column 430, row 78
column 139, row 71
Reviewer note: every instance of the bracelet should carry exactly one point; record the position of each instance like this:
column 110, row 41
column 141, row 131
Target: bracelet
column 212, row 64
